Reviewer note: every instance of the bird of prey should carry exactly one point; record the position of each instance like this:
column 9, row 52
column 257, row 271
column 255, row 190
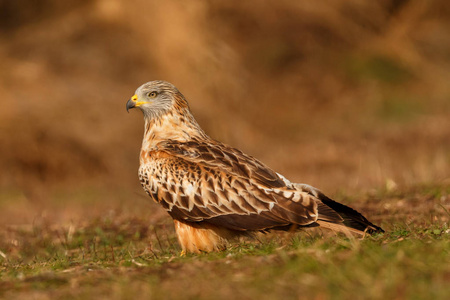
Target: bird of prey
column 215, row 192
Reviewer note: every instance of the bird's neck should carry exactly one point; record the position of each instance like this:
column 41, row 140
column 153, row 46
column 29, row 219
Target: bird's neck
column 170, row 126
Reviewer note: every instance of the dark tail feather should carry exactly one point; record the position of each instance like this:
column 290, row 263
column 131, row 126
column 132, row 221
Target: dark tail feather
column 352, row 218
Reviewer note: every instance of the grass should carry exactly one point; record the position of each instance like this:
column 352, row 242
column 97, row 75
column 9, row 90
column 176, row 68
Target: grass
column 125, row 257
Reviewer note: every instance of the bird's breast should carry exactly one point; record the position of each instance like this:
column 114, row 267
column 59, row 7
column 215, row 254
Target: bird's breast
column 162, row 175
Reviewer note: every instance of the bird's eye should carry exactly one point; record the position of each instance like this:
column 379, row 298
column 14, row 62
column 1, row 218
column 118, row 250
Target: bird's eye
column 152, row 94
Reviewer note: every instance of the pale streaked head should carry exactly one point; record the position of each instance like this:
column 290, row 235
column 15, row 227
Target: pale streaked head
column 156, row 98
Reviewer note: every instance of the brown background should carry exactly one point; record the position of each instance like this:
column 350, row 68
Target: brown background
column 349, row 96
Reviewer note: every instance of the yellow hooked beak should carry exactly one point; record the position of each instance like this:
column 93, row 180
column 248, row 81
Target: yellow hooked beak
column 133, row 102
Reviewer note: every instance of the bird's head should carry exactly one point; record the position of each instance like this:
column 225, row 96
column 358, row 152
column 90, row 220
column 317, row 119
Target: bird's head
column 156, row 98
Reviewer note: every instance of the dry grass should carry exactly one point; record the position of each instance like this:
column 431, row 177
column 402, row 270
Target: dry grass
column 343, row 94
column 121, row 256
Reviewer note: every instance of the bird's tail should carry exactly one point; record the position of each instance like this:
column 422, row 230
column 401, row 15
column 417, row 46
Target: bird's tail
column 338, row 217
column 352, row 221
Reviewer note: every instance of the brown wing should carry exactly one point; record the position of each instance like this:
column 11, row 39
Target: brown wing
column 226, row 158
column 198, row 181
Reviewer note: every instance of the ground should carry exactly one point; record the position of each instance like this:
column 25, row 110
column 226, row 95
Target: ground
column 119, row 256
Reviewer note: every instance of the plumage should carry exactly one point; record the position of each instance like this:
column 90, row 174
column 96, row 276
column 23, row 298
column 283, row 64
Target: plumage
column 215, row 192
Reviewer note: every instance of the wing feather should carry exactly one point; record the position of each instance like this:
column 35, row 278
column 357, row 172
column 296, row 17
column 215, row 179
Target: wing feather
column 196, row 182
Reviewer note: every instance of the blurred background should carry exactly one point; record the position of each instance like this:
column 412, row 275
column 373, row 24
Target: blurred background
column 350, row 96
